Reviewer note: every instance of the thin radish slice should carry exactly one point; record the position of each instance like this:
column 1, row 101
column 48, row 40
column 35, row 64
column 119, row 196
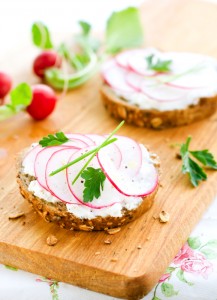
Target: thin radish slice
column 123, row 58
column 163, row 93
column 28, row 161
column 134, row 80
column 139, row 65
column 57, row 184
column 99, row 139
column 41, row 160
column 81, row 137
column 141, row 184
column 115, row 78
column 131, row 155
column 109, row 196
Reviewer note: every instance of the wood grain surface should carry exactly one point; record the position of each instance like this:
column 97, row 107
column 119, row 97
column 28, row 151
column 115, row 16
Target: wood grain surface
column 139, row 254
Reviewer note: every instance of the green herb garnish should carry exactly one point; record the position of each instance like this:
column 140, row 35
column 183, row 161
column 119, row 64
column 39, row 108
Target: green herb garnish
column 94, row 182
column 56, row 139
column 123, row 30
column 41, row 36
column 196, row 173
column 21, row 97
column 158, row 65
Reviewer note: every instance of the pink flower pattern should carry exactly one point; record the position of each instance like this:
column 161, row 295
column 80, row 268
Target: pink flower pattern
column 184, row 253
column 197, row 264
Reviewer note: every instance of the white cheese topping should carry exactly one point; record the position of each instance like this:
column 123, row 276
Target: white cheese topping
column 196, row 78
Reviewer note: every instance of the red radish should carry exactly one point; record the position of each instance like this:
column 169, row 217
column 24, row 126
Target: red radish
column 58, row 184
column 140, row 184
column 43, row 102
column 108, row 194
column 115, row 78
column 45, row 60
column 5, row 84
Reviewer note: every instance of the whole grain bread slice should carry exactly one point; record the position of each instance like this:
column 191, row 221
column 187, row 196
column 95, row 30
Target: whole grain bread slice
column 57, row 212
column 121, row 109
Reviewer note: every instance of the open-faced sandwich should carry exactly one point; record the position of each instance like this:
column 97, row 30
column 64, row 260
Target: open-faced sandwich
column 88, row 182
column 156, row 89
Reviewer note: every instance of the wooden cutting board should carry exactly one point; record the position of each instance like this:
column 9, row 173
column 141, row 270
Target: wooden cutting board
column 139, row 254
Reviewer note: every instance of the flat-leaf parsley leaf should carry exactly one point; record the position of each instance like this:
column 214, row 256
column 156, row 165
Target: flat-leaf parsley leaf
column 196, row 173
column 56, row 139
column 158, row 65
column 94, row 182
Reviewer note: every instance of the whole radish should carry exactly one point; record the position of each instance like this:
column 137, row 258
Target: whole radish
column 5, row 84
column 43, row 102
column 45, row 60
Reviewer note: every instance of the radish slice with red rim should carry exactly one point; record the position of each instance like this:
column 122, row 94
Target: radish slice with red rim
column 137, row 184
column 131, row 155
column 41, row 160
column 115, row 78
column 58, row 184
column 135, row 80
column 80, row 137
column 99, row 139
column 122, row 58
column 109, row 196
column 29, row 160
column 162, row 93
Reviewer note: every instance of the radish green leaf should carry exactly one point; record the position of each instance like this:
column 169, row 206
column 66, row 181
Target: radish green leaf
column 123, row 30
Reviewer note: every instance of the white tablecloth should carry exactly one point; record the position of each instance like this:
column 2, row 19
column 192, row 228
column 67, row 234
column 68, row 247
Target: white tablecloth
column 191, row 276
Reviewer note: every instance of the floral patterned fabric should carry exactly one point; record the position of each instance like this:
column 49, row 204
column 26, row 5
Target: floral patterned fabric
column 192, row 275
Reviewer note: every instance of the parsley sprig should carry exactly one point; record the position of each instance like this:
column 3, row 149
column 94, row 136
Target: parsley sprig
column 56, row 139
column 195, row 172
column 158, row 65
column 94, row 183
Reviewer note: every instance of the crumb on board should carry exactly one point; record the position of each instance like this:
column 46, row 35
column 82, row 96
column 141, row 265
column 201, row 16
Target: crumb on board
column 97, row 253
column 114, row 259
column 51, row 240
column 139, row 247
column 178, row 156
column 113, row 230
column 16, row 215
column 164, row 217
column 108, row 242
column 148, row 238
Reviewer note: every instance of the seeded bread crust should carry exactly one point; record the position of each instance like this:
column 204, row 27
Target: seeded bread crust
column 121, row 109
column 57, row 212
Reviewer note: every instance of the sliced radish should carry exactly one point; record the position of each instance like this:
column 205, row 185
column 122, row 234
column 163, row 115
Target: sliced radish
column 41, row 160
column 163, row 93
column 122, row 59
column 140, row 184
column 57, row 184
column 109, row 196
column 134, row 80
column 131, row 155
column 81, row 137
column 28, row 161
column 139, row 65
column 115, row 78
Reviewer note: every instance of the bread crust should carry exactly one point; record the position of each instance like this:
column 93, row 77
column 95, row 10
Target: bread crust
column 155, row 119
column 57, row 212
